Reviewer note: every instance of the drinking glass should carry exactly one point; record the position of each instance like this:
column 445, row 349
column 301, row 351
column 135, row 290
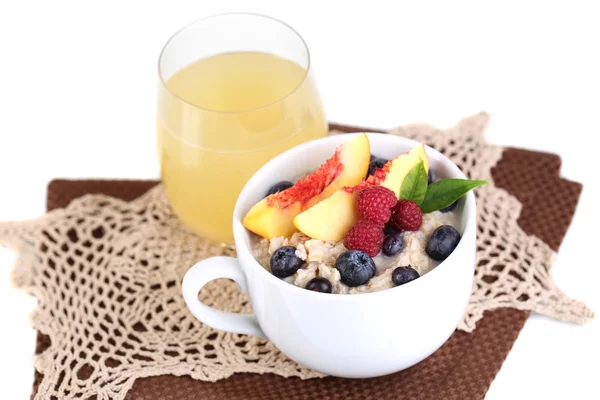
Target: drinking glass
column 235, row 90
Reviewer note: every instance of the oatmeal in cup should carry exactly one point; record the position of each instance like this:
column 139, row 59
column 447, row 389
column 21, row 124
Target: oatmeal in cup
column 357, row 252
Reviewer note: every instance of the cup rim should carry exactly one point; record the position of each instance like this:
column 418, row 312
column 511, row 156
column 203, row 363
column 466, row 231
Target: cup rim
column 228, row 14
column 469, row 218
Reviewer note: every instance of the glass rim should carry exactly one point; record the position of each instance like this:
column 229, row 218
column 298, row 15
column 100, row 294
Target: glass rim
column 248, row 14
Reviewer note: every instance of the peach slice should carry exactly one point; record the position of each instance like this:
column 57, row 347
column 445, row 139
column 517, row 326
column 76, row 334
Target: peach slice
column 420, row 152
column 273, row 216
column 330, row 219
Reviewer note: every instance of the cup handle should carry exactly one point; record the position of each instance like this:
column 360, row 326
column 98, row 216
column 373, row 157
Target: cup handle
column 206, row 271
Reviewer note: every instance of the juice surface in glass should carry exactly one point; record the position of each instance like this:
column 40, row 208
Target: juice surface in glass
column 222, row 117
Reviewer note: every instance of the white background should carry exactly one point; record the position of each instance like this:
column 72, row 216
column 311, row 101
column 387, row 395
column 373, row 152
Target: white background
column 77, row 99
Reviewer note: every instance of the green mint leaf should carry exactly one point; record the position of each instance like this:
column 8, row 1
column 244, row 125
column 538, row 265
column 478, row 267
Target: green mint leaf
column 443, row 193
column 414, row 185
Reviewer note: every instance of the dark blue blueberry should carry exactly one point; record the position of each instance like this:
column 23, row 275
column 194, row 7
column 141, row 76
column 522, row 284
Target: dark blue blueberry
column 375, row 163
column 355, row 267
column 284, row 262
column 402, row 275
column 451, row 207
column 392, row 244
column 279, row 187
column 429, row 177
column 321, row 285
column 390, row 229
column 442, row 242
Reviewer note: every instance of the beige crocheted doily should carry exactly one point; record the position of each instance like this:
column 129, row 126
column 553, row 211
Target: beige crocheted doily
column 107, row 274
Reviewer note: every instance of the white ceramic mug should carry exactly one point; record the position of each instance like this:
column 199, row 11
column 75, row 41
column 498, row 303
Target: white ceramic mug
column 354, row 336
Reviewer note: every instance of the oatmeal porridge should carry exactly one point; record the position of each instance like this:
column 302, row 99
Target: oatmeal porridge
column 319, row 256
column 359, row 223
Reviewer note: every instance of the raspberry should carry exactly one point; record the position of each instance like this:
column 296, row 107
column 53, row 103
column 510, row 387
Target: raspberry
column 366, row 236
column 407, row 216
column 375, row 203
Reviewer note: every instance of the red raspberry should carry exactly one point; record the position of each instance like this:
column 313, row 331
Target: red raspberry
column 365, row 236
column 407, row 216
column 375, row 203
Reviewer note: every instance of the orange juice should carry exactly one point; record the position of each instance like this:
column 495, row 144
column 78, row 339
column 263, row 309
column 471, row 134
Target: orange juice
column 219, row 120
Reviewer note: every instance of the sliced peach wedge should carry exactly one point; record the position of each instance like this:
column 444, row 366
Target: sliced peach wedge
column 273, row 216
column 330, row 219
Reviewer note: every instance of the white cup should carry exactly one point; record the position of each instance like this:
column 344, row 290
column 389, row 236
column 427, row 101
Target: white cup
column 354, row 336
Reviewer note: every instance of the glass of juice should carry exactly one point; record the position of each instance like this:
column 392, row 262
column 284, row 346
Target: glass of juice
column 235, row 90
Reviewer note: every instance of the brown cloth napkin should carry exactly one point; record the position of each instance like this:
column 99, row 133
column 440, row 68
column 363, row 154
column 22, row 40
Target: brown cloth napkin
column 463, row 368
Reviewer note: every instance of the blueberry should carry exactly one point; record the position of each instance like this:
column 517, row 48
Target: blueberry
column 279, row 187
column 429, row 177
column 375, row 163
column 355, row 267
column 392, row 244
column 451, row 207
column 390, row 229
column 402, row 275
column 321, row 285
column 284, row 262
column 442, row 242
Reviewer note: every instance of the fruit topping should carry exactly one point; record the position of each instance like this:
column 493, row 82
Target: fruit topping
column 279, row 187
column 375, row 203
column 390, row 229
column 419, row 151
column 375, row 163
column 406, row 216
column 392, row 244
column 355, row 267
column 393, row 173
column 274, row 215
column 366, row 236
column 321, row 285
column 284, row 262
column 330, row 219
column 402, row 275
column 442, row 242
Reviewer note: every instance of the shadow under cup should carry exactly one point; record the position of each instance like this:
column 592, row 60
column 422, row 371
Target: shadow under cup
column 235, row 90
